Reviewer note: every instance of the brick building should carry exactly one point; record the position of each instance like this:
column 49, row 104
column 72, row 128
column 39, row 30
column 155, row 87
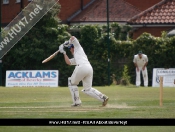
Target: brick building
column 71, row 7
column 94, row 11
column 10, row 9
column 154, row 20
column 142, row 4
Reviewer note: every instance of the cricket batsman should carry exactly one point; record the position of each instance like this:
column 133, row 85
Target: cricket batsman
column 83, row 72
column 140, row 61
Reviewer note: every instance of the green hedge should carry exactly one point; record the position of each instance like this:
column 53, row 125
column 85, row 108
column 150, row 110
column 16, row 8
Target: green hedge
column 42, row 41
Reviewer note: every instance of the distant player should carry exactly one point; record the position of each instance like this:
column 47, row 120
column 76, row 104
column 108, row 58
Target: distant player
column 83, row 72
column 140, row 62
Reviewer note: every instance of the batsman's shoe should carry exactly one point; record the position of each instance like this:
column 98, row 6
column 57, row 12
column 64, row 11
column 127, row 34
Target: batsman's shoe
column 105, row 100
column 75, row 105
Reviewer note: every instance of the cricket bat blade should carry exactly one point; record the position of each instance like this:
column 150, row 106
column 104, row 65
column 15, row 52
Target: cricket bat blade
column 50, row 57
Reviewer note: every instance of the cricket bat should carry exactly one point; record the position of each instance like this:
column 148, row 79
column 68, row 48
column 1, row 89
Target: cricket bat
column 50, row 57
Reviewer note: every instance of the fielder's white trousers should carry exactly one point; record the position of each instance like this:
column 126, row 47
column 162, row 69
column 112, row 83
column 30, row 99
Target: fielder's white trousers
column 144, row 74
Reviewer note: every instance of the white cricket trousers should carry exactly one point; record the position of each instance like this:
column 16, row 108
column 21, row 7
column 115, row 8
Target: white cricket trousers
column 83, row 73
column 144, row 74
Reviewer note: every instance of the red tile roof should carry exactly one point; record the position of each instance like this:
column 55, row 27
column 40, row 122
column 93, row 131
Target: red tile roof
column 119, row 10
column 161, row 13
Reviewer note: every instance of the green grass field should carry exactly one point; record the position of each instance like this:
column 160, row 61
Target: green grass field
column 124, row 102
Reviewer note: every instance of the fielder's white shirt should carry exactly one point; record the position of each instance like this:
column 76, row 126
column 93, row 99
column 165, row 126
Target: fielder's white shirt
column 79, row 54
column 140, row 61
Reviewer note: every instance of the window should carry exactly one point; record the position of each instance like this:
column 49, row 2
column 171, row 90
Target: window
column 5, row 1
column 18, row 1
column 29, row 0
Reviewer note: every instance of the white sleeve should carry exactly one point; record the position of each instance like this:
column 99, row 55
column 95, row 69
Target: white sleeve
column 146, row 58
column 72, row 61
column 73, row 40
column 134, row 60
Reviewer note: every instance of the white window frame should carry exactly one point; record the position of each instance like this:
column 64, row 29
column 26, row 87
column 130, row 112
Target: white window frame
column 18, row 1
column 5, row 1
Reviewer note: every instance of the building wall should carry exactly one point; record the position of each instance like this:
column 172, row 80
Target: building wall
column 143, row 4
column 11, row 10
column 69, row 7
column 154, row 31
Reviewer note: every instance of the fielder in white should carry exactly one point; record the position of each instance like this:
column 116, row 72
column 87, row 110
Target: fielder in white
column 140, row 62
column 83, row 72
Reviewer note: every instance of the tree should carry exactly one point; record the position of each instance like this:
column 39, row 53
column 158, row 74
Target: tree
column 40, row 42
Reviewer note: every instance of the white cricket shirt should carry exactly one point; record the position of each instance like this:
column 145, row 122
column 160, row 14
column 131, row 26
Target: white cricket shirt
column 140, row 61
column 79, row 54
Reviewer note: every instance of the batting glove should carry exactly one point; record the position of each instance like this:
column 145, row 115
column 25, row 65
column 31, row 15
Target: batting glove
column 66, row 44
column 61, row 49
